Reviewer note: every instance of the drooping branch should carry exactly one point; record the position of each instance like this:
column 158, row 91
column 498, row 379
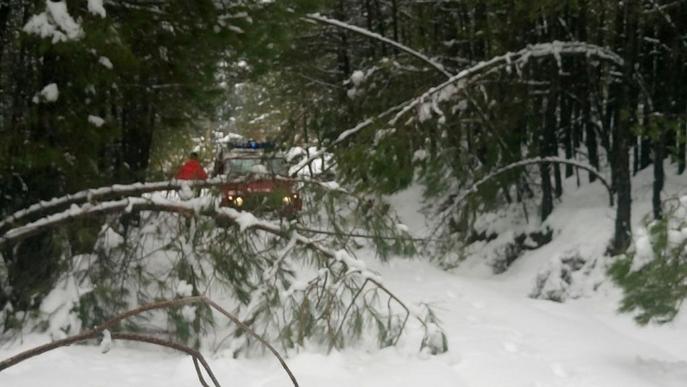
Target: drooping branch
column 543, row 160
column 195, row 355
column 93, row 333
column 97, row 195
column 346, row 134
column 458, row 202
column 508, row 61
column 208, row 208
column 200, row 206
column 203, row 206
column 461, row 80
column 362, row 31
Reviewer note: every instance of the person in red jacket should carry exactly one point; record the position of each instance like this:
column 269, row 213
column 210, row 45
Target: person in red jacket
column 192, row 170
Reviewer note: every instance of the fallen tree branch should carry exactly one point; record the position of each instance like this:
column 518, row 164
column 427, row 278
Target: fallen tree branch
column 93, row 333
column 200, row 207
column 199, row 373
column 96, row 195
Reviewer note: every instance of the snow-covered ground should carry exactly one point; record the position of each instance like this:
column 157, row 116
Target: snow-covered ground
column 497, row 335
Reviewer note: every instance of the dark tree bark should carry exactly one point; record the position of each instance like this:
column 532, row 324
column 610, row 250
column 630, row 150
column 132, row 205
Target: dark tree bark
column 394, row 18
column 550, row 132
column 624, row 118
column 566, row 123
column 645, row 145
column 547, row 196
column 4, row 21
column 681, row 148
column 659, row 175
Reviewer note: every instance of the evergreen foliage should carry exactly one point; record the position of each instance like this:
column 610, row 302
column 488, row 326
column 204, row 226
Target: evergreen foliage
column 653, row 275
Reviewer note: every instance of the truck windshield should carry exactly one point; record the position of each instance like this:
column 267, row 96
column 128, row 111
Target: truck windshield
column 245, row 166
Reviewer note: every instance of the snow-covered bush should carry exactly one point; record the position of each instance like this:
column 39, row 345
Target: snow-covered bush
column 434, row 340
column 557, row 281
column 653, row 275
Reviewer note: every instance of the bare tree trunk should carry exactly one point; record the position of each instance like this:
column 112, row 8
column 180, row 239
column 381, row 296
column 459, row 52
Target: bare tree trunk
column 659, row 176
column 681, row 148
column 622, row 126
column 394, row 18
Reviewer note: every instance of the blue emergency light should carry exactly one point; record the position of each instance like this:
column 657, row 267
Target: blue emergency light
column 252, row 144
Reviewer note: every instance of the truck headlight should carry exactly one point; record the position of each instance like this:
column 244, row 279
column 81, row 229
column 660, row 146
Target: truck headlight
column 287, row 200
column 238, row 201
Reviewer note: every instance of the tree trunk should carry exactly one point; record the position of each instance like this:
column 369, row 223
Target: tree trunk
column 644, row 152
column 681, row 147
column 547, row 196
column 624, row 118
column 394, row 18
column 659, row 176
column 567, row 125
column 550, row 133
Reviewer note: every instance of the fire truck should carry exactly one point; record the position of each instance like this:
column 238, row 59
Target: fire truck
column 259, row 179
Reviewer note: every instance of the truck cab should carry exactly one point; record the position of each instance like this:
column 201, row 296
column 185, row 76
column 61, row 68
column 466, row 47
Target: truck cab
column 258, row 180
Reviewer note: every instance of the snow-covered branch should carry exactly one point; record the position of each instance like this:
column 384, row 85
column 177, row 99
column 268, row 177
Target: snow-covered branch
column 93, row 195
column 118, row 191
column 458, row 201
column 511, row 60
column 345, row 135
column 662, row 11
column 204, row 206
column 457, row 83
column 349, row 274
column 362, row 31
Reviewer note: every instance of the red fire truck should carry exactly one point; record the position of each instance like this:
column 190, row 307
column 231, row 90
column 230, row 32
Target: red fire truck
column 260, row 180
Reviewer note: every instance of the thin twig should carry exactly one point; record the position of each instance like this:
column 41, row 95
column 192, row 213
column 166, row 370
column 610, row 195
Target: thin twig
column 257, row 337
column 197, row 356
column 199, row 373
column 343, row 318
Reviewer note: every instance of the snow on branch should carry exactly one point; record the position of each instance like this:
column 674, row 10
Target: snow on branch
column 106, row 193
column 88, row 195
column 509, row 60
column 362, row 31
column 205, row 206
column 55, row 22
column 446, row 89
column 458, row 202
column 352, row 267
column 661, row 9
column 346, row 134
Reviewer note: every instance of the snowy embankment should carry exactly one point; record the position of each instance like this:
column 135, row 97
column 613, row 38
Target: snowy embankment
column 498, row 336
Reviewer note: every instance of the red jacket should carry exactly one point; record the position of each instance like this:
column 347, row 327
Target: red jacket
column 192, row 170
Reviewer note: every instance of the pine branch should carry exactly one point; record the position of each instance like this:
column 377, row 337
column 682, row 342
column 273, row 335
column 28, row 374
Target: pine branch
column 96, row 195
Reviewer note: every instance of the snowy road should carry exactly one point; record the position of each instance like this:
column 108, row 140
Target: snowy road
column 496, row 338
